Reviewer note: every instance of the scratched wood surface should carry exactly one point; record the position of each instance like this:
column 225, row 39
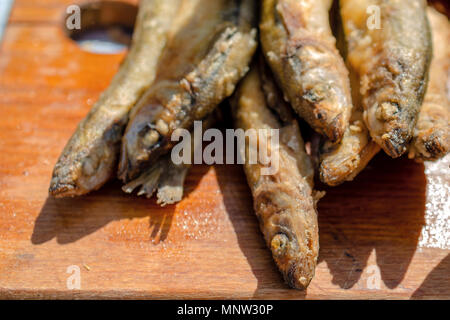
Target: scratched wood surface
column 385, row 235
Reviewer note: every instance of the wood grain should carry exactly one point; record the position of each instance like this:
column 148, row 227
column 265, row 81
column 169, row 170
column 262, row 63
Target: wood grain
column 209, row 245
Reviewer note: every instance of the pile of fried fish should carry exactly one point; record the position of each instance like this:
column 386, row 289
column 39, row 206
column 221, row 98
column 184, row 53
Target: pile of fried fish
column 362, row 82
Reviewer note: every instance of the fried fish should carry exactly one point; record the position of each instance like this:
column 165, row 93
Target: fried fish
column 389, row 46
column 90, row 157
column 432, row 135
column 344, row 161
column 300, row 48
column 207, row 55
column 284, row 202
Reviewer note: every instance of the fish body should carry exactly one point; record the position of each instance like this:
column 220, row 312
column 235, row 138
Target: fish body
column 389, row 46
column 90, row 157
column 344, row 161
column 432, row 134
column 299, row 46
column 284, row 202
column 207, row 55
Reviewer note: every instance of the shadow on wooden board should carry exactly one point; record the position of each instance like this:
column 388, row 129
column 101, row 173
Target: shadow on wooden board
column 354, row 219
column 437, row 284
column 97, row 209
column 382, row 211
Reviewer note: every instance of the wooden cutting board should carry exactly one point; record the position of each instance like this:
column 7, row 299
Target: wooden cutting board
column 385, row 235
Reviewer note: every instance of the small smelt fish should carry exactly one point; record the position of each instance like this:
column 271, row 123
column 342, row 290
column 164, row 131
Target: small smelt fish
column 206, row 57
column 283, row 111
column 300, row 48
column 284, row 201
column 432, row 135
column 389, row 46
column 344, row 161
column 90, row 157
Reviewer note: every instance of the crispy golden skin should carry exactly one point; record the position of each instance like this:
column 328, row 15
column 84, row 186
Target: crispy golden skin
column 284, row 202
column 206, row 57
column 299, row 46
column 344, row 161
column 90, row 157
column 432, row 135
column 392, row 62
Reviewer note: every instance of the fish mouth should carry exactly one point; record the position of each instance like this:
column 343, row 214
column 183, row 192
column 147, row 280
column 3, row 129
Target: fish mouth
column 62, row 190
column 300, row 273
column 395, row 144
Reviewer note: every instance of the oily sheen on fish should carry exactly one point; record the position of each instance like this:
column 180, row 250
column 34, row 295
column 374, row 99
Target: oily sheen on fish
column 207, row 55
column 284, row 201
column 392, row 60
column 90, row 157
column 300, row 48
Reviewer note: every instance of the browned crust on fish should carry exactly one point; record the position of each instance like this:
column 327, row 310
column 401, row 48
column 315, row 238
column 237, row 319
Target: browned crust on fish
column 344, row 161
column 190, row 87
column 90, row 156
column 432, row 135
column 340, row 166
column 299, row 46
column 284, row 202
column 392, row 60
